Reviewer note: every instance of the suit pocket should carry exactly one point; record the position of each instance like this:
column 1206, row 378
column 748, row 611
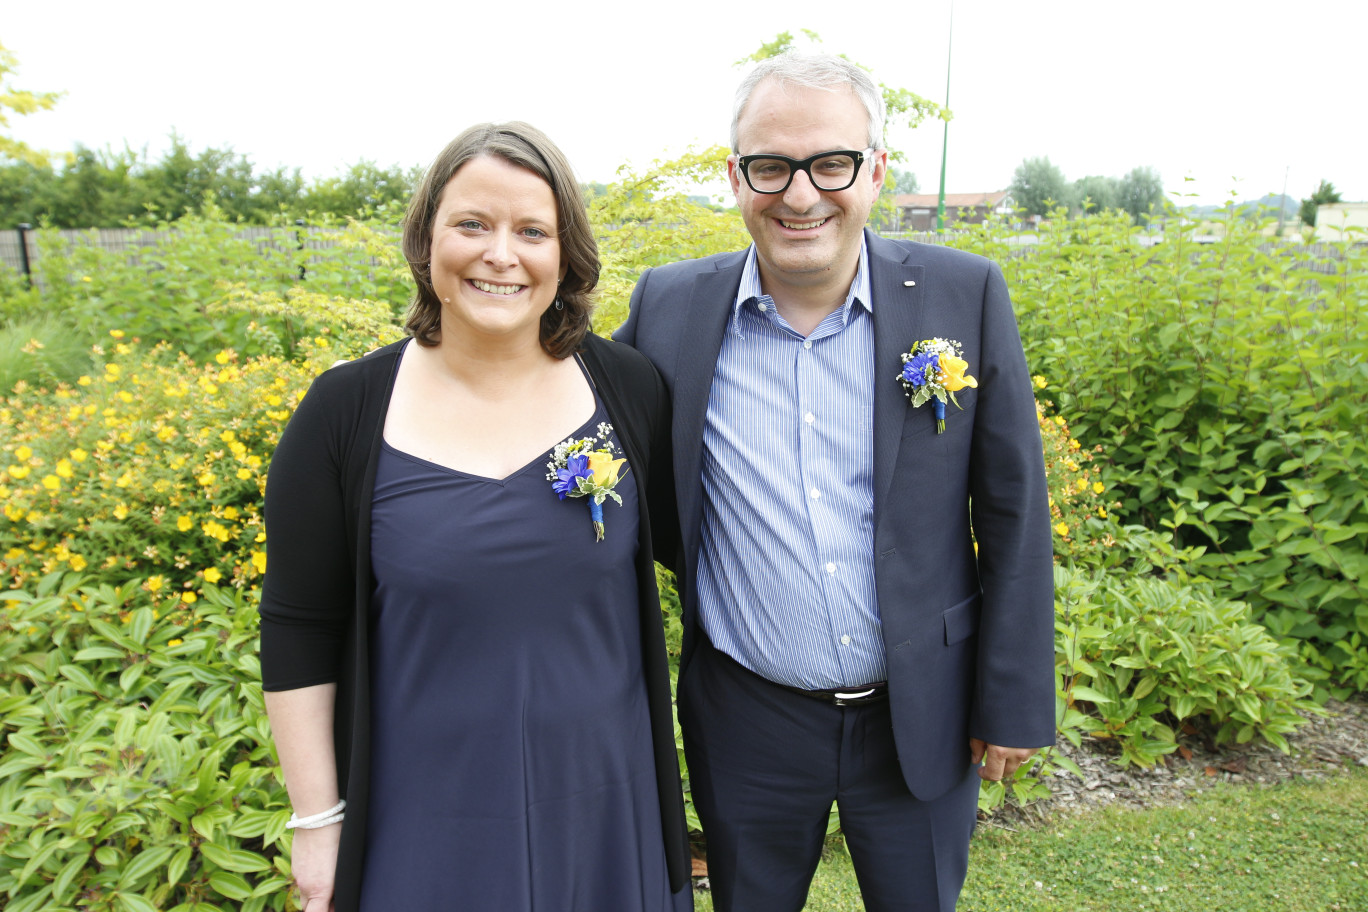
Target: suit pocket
column 962, row 620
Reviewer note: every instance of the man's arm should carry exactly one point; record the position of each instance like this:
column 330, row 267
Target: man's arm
column 1014, row 704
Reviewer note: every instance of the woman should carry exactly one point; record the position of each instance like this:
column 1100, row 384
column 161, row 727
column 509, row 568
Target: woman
column 447, row 644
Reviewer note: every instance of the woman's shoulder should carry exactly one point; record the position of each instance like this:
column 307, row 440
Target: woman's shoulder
column 348, row 379
column 618, row 361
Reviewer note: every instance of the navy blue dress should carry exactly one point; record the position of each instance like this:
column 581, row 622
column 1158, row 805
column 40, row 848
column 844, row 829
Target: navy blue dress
column 511, row 755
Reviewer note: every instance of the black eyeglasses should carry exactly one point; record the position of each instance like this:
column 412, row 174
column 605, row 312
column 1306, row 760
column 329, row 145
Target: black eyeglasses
column 828, row 171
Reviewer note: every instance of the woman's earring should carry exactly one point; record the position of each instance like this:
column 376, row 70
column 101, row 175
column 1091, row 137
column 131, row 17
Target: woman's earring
column 560, row 305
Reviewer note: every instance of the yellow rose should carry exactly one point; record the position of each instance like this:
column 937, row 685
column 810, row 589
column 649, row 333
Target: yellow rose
column 952, row 373
column 605, row 468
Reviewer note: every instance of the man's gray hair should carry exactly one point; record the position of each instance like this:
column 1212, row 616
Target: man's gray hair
column 813, row 71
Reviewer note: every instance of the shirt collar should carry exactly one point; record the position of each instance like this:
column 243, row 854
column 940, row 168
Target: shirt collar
column 750, row 286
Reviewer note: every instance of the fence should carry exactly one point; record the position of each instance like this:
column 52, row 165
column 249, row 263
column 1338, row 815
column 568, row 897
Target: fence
column 19, row 250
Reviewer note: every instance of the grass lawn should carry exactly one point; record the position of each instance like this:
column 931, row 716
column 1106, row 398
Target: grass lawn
column 1296, row 846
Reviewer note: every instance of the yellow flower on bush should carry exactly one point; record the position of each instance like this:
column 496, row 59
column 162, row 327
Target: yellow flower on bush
column 154, row 583
column 83, row 380
column 1039, row 382
column 224, row 356
column 23, row 453
column 244, row 474
column 64, row 468
column 206, row 479
column 189, row 598
column 124, row 480
column 77, row 562
column 79, row 455
column 215, row 530
column 1098, row 487
column 184, row 523
column 177, row 641
column 52, row 482
column 19, row 472
column 1062, row 529
column 212, row 575
column 113, row 370
column 230, row 512
column 259, row 561
column 121, row 512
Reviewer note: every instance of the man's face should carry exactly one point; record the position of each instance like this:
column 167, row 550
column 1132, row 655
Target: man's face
column 805, row 236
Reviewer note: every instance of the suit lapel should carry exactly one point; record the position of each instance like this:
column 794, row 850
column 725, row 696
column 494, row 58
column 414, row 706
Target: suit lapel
column 709, row 309
column 898, row 289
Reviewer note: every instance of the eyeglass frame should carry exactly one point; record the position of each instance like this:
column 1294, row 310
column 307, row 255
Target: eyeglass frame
column 804, row 165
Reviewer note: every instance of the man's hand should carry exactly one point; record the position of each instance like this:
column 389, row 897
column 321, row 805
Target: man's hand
column 998, row 762
column 314, row 865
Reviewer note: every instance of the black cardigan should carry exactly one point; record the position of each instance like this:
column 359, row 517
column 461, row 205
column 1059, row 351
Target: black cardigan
column 315, row 600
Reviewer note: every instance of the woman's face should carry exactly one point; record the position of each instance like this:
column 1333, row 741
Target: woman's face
column 496, row 259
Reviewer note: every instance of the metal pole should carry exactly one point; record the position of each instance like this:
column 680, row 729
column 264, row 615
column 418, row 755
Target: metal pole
column 23, row 251
column 945, row 138
column 299, row 241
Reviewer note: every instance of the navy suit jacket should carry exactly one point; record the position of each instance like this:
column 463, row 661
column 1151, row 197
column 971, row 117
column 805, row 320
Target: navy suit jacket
column 969, row 636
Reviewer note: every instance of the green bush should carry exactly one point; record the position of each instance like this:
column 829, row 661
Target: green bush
column 136, row 771
column 1136, row 656
column 1225, row 384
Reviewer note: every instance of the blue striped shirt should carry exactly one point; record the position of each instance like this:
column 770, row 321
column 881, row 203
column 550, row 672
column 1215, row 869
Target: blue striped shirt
column 786, row 568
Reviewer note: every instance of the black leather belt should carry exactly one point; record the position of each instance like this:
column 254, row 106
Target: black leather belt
column 847, row 696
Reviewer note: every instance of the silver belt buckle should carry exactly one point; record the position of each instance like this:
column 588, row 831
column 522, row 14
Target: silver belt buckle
column 841, row 698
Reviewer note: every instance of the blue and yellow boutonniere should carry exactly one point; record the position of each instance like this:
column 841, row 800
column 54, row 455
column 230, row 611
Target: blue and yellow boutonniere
column 932, row 372
column 587, row 467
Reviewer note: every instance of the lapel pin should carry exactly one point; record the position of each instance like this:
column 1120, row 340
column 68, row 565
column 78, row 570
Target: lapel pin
column 909, row 283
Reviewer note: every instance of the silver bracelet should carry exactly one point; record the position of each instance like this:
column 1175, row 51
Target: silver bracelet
column 332, row 815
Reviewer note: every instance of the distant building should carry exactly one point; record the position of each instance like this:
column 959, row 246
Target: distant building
column 1333, row 221
column 917, row 211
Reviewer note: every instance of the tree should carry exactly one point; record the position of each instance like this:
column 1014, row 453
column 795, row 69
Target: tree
column 19, row 102
column 903, row 181
column 1140, row 192
column 1325, row 193
column 1096, row 193
column 1038, row 186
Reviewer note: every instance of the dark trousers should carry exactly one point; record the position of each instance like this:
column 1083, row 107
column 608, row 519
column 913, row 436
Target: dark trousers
column 764, row 766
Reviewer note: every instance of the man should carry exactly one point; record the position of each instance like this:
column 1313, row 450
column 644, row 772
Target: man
column 844, row 639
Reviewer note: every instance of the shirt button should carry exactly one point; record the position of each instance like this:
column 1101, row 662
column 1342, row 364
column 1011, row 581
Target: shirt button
column 845, row 639
column 831, row 568
column 762, row 307
column 807, row 343
column 809, row 417
column 815, row 493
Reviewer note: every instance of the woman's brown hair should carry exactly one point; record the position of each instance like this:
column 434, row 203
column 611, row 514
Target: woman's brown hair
column 523, row 145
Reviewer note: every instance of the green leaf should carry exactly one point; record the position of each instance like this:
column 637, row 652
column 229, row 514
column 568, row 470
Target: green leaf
column 234, row 859
column 230, row 885
column 1090, row 695
column 175, row 868
column 131, row 902
column 143, row 866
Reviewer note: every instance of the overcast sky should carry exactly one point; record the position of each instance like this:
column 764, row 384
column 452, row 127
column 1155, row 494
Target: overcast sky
column 1235, row 95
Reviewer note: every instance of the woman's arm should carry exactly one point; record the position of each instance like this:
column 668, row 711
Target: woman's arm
column 302, row 725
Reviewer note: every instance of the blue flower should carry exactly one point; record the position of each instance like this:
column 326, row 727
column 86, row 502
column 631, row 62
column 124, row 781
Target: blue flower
column 914, row 370
column 567, row 479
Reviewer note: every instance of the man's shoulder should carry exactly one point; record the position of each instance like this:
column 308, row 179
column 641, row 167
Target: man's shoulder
column 915, row 253
column 687, row 269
